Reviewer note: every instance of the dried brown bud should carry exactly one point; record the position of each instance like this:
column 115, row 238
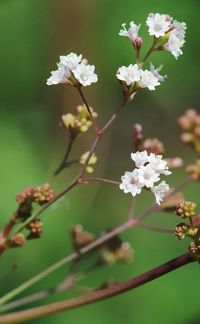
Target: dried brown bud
column 153, row 145
column 190, row 123
column 17, row 240
column 81, row 237
column 171, row 202
column 114, row 253
column 189, row 120
column 196, row 221
column 137, row 136
column 194, row 170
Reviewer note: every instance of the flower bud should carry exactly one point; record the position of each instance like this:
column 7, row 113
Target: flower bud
column 79, row 123
column 80, row 237
column 153, row 145
column 43, row 194
column 194, row 170
column 17, row 240
column 92, row 161
column 181, row 231
column 186, row 209
column 138, row 42
column 35, row 228
column 194, row 250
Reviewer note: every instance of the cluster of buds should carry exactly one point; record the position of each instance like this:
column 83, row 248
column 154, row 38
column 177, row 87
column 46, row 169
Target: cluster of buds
column 115, row 251
column 186, row 209
column 80, row 237
column 194, row 170
column 17, row 240
column 190, row 124
column 92, row 161
column 35, row 228
column 80, row 122
column 40, row 195
column 122, row 254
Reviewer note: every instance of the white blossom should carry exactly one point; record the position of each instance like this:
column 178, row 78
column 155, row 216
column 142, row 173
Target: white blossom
column 160, row 191
column 131, row 33
column 148, row 80
column 140, row 158
column 129, row 74
column 156, row 73
column 179, row 29
column 84, row 73
column 158, row 24
column 176, row 39
column 70, row 61
column 148, row 176
column 59, row 76
column 158, row 164
column 130, row 183
column 147, row 172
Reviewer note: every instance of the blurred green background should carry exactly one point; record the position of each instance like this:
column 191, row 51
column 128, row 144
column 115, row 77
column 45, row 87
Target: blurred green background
column 33, row 35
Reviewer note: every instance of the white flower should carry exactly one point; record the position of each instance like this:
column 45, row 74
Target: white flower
column 129, row 74
column 59, row 76
column 140, row 158
column 174, row 45
column 158, row 24
column 130, row 183
column 70, row 61
column 158, row 164
column 148, row 80
column 131, row 33
column 176, row 39
column 84, row 73
column 147, row 176
column 180, row 30
column 160, row 191
column 156, row 73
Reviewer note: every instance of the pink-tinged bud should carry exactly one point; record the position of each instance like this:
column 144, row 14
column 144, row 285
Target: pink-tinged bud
column 138, row 42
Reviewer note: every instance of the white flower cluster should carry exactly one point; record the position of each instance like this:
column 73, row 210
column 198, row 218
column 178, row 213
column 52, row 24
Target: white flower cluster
column 160, row 25
column 73, row 66
column 164, row 25
column 144, row 78
column 148, row 170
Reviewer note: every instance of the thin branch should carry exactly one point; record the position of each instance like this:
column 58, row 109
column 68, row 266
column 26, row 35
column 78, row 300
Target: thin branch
column 95, row 244
column 96, row 128
column 66, row 284
column 102, row 239
column 156, row 228
column 152, row 48
column 103, row 180
column 95, row 296
column 63, row 163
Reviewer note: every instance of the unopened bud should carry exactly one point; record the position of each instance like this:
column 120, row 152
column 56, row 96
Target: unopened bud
column 186, row 209
column 17, row 240
column 35, row 228
column 138, row 42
